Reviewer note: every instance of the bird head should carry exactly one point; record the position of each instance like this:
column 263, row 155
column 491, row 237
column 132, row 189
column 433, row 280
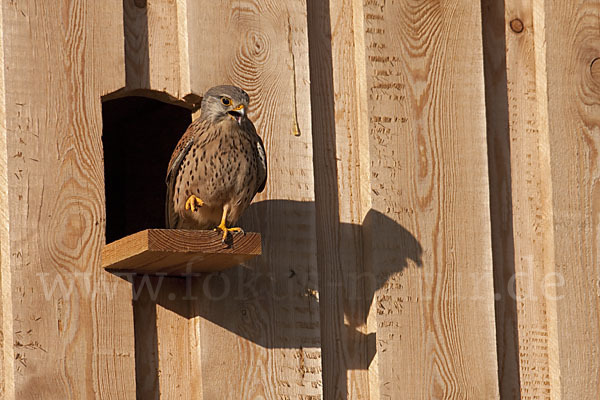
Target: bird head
column 225, row 103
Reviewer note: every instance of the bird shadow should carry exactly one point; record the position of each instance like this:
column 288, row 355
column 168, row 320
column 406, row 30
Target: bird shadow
column 273, row 300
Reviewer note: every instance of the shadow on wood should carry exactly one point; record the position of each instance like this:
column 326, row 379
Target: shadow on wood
column 241, row 300
column 501, row 195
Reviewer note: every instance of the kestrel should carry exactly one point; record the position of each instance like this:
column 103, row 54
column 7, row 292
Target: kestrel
column 218, row 165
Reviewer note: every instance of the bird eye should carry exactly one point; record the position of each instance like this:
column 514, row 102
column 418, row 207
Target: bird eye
column 226, row 101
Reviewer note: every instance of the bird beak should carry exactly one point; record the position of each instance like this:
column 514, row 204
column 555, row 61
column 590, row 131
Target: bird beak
column 237, row 113
column 240, row 109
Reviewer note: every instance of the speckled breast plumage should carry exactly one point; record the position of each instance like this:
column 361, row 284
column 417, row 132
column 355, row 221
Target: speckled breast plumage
column 220, row 168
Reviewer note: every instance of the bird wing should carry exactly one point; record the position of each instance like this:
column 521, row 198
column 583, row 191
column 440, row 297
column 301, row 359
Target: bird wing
column 262, row 160
column 195, row 130
column 262, row 155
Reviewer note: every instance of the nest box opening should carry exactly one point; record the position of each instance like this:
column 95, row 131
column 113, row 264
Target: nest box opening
column 139, row 135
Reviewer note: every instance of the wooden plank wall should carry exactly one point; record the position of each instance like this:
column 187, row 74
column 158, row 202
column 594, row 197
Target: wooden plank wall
column 157, row 52
column 516, row 92
column 346, row 345
column 68, row 333
column 572, row 38
column 424, row 144
column 430, row 224
column 263, row 336
column 392, row 136
column 270, row 328
column 499, row 153
column 543, row 101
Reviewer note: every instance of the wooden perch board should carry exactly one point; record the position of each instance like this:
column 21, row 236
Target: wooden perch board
column 176, row 252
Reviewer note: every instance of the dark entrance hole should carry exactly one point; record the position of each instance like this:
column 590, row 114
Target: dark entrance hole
column 139, row 135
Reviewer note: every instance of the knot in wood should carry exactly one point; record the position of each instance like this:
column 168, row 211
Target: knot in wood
column 140, row 3
column 517, row 25
column 595, row 69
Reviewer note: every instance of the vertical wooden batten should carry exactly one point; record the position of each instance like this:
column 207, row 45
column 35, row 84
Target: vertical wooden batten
column 69, row 334
column 432, row 291
column 572, row 47
column 524, row 244
column 262, row 337
column 157, row 66
column 268, row 328
column 499, row 156
column 7, row 354
column 157, row 52
column 552, row 108
column 336, row 79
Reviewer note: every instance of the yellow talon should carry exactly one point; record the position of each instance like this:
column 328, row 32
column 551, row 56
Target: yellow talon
column 226, row 230
column 193, row 202
column 223, row 227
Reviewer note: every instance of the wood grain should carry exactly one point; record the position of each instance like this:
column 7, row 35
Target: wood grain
column 335, row 79
column 526, row 238
column 156, row 52
column 376, row 227
column 7, row 354
column 264, row 338
column 70, row 334
column 264, row 52
column 165, row 326
column 572, row 40
column 176, row 252
column 552, row 100
column 433, row 298
column 501, row 196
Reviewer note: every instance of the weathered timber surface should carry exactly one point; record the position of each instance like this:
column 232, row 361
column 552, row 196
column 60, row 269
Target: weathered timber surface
column 65, row 332
column 177, row 252
column 432, row 290
column 572, row 40
column 256, row 326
